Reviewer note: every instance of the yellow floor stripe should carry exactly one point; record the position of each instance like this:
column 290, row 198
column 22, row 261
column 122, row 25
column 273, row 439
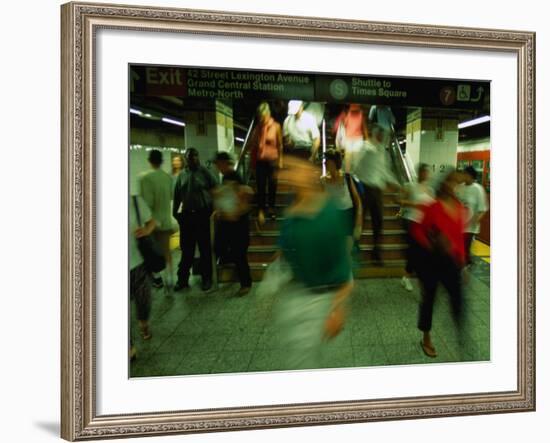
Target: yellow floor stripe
column 482, row 250
column 175, row 241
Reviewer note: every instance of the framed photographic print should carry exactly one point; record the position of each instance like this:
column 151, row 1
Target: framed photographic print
column 282, row 221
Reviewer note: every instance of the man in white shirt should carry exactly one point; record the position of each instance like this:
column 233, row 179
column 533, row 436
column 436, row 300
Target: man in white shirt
column 300, row 131
column 372, row 171
column 156, row 190
column 473, row 196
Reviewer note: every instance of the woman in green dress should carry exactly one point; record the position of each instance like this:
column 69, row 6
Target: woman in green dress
column 313, row 242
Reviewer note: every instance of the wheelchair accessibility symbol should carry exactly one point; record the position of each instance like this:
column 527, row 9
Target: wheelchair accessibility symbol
column 463, row 93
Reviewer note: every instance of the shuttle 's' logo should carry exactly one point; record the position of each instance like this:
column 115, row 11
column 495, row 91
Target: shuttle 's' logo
column 339, row 89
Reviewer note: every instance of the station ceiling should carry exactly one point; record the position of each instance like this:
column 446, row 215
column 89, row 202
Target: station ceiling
column 244, row 111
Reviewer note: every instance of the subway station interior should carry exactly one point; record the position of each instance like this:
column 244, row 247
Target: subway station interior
column 438, row 125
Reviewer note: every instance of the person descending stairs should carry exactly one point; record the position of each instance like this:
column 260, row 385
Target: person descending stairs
column 264, row 240
column 264, row 235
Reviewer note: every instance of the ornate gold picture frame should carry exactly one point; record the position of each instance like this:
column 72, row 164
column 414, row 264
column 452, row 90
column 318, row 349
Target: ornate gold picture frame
column 80, row 23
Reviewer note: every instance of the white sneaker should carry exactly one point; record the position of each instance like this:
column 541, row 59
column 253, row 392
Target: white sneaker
column 406, row 283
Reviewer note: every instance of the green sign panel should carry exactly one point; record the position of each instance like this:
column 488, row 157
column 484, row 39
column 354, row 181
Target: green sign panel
column 231, row 84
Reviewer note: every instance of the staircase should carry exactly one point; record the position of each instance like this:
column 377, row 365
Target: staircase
column 263, row 242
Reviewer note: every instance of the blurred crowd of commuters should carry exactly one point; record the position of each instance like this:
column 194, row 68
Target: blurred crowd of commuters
column 320, row 227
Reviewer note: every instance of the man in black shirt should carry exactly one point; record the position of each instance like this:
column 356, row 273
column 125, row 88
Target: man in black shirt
column 192, row 209
column 233, row 231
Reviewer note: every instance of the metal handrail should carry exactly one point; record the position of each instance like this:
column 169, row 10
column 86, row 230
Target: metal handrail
column 215, row 278
column 241, row 161
column 405, row 173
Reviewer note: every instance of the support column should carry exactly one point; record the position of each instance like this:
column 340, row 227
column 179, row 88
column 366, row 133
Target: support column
column 432, row 138
column 210, row 130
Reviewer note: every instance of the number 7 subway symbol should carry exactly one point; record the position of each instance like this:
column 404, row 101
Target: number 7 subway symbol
column 479, row 94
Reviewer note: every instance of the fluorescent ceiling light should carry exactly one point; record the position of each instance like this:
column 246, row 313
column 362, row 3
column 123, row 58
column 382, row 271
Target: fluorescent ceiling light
column 140, row 113
column 239, row 139
column 475, row 121
column 173, row 122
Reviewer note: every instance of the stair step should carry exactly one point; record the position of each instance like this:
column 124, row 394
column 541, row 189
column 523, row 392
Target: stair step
column 285, row 197
column 281, row 198
column 367, row 269
column 390, row 209
column 265, row 254
column 389, row 222
column 267, row 238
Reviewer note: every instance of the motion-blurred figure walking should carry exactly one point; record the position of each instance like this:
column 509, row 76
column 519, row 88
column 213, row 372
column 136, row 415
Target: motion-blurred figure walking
column 156, row 189
column 233, row 231
column 442, row 255
column 342, row 189
column 141, row 224
column 473, row 196
column 267, row 157
column 351, row 132
column 314, row 244
column 300, row 132
column 413, row 197
column 373, row 172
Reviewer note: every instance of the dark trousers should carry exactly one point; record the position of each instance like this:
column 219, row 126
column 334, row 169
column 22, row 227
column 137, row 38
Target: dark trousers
column 140, row 291
column 431, row 271
column 468, row 239
column 195, row 229
column 265, row 178
column 372, row 201
column 232, row 240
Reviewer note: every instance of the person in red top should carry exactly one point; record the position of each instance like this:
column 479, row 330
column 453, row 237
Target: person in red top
column 267, row 156
column 442, row 255
column 351, row 131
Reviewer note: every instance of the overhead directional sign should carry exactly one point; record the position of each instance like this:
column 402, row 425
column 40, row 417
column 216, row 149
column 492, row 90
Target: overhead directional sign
column 401, row 91
column 232, row 84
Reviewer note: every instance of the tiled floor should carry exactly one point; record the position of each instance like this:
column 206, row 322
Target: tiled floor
column 198, row 333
